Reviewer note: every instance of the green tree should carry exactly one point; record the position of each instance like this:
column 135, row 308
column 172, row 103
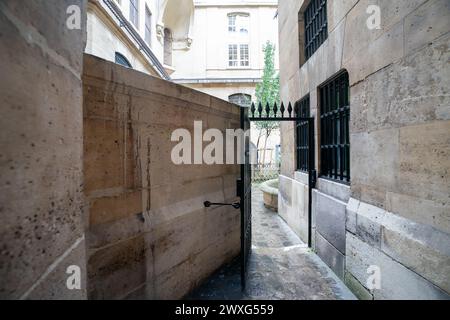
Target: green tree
column 267, row 91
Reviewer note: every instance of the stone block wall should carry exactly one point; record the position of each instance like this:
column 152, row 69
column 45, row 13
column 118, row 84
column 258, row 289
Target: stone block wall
column 149, row 235
column 396, row 211
column 41, row 145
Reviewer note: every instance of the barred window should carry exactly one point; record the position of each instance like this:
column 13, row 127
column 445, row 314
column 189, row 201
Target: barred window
column 303, row 107
column 334, row 129
column 134, row 12
column 316, row 32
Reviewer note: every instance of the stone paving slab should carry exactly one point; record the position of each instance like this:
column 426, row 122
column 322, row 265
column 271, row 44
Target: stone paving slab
column 281, row 266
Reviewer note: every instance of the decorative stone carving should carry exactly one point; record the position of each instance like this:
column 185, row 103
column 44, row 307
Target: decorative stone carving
column 160, row 31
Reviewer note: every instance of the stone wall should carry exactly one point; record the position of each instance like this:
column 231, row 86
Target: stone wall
column 149, row 235
column 396, row 212
column 41, row 145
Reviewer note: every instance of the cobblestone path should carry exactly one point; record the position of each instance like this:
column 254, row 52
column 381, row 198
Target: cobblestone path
column 280, row 267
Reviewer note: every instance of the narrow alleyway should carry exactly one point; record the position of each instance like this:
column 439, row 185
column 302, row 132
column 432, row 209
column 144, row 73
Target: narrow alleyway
column 281, row 266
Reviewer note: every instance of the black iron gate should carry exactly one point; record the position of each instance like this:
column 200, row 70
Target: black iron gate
column 268, row 113
column 246, row 198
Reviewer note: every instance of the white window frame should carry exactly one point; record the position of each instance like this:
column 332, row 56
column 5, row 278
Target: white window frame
column 233, row 56
column 238, row 60
column 231, row 23
column 134, row 5
column 238, row 40
column 244, row 57
column 238, row 22
column 148, row 26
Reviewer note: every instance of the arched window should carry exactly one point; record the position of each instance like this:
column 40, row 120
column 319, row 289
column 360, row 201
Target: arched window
column 238, row 22
column 120, row 59
column 241, row 99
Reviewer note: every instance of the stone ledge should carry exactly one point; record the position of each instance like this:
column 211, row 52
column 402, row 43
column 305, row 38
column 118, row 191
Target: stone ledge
column 397, row 281
column 335, row 189
column 420, row 248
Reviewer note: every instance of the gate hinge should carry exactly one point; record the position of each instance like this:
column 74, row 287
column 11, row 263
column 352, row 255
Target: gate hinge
column 313, row 178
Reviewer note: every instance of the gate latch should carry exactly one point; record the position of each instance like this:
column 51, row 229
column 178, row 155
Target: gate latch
column 235, row 205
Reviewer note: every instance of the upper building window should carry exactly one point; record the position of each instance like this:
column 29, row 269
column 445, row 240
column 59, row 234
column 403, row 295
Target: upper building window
column 334, row 128
column 238, row 58
column 316, row 32
column 134, row 12
column 238, row 48
column 238, row 22
column 243, row 55
column 231, row 23
column 232, row 55
column 120, row 59
column 148, row 25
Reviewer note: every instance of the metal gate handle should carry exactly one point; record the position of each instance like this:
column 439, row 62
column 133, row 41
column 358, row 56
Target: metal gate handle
column 235, row 205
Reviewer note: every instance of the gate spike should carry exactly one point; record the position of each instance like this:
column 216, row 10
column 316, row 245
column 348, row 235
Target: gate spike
column 296, row 110
column 282, row 109
column 267, row 110
column 253, row 109
column 260, row 109
column 290, row 110
column 275, row 110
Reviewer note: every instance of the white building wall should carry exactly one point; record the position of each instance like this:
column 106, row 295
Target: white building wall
column 208, row 57
column 105, row 35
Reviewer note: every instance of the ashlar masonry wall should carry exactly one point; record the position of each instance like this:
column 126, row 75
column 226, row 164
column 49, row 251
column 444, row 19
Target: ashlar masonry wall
column 395, row 213
column 149, row 235
column 41, row 150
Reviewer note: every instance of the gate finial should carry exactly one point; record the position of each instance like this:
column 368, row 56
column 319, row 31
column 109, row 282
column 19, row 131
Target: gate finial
column 290, row 110
column 252, row 109
column 282, row 109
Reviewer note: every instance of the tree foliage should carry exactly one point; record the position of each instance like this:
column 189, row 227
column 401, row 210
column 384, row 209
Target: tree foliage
column 268, row 90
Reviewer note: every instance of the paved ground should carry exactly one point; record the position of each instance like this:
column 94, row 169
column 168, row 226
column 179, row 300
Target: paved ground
column 280, row 267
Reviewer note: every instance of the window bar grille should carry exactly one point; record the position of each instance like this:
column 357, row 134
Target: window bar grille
column 334, row 129
column 316, row 32
column 303, row 109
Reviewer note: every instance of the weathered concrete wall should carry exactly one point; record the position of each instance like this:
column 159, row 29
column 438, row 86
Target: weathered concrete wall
column 41, row 199
column 400, row 147
column 149, row 234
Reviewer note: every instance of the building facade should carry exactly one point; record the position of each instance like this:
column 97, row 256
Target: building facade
column 226, row 58
column 141, row 34
column 375, row 76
